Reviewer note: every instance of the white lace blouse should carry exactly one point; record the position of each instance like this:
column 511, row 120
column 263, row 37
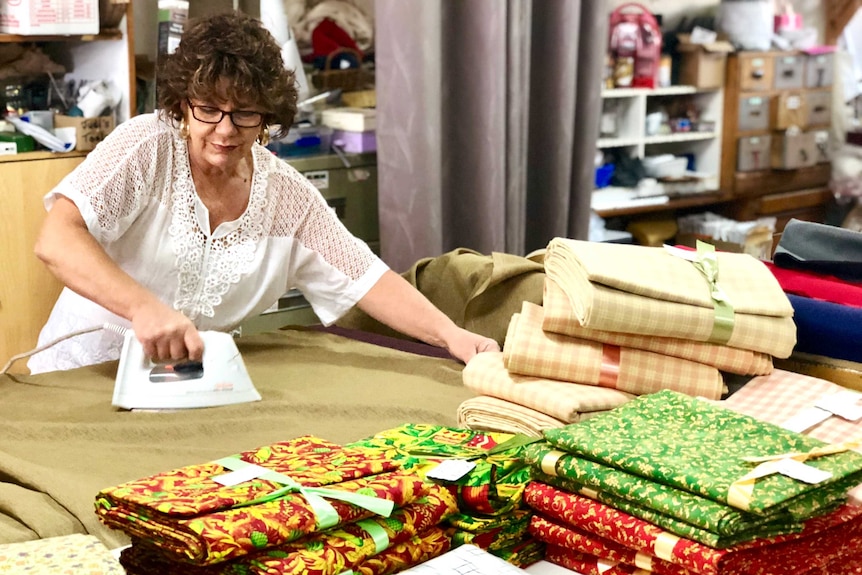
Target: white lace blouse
column 136, row 195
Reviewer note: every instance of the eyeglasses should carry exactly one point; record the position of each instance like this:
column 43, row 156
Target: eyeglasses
column 239, row 118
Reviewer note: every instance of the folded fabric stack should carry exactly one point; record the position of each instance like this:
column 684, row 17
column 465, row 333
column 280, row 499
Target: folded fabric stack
column 820, row 268
column 677, row 485
column 618, row 321
column 489, row 488
column 305, row 505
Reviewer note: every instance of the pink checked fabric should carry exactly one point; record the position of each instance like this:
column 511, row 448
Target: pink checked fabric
column 529, row 350
column 783, row 394
column 485, row 374
column 485, row 413
column 558, row 317
column 648, row 291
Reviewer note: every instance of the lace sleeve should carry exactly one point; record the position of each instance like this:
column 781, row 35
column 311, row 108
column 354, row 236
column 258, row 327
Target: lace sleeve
column 119, row 176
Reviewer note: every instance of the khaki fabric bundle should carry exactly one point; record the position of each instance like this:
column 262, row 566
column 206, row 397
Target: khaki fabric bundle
column 486, row 413
column 649, row 291
column 559, row 318
column 485, row 374
column 531, row 351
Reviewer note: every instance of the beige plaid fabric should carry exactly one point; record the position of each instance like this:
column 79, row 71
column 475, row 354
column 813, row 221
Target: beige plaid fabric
column 529, row 350
column 783, row 394
column 648, row 291
column 559, row 318
column 485, row 413
column 485, row 374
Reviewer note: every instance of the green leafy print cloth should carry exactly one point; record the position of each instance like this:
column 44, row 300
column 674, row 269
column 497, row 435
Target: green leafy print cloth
column 684, row 442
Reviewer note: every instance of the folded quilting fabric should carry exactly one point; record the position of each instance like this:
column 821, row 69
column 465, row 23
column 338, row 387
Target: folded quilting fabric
column 828, row 537
column 486, row 374
column 76, row 553
column 694, row 445
column 828, row 329
column 817, row 286
column 216, row 511
column 530, row 350
column 523, row 553
column 790, row 400
column 329, row 552
column 486, row 413
column 733, row 301
column 558, row 317
column 494, row 486
column 489, row 533
column 820, row 248
column 433, row 543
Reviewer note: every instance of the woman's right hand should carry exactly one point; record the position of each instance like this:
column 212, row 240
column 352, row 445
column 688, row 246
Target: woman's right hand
column 166, row 334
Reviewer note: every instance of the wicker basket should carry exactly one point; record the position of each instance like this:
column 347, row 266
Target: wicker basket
column 347, row 80
column 111, row 13
column 360, row 99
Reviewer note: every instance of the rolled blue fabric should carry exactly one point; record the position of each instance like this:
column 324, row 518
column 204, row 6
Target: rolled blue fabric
column 827, row 329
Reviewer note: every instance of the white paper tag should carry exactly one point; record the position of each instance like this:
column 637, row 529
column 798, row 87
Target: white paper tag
column 806, row 419
column 604, row 565
column 802, row 472
column 844, row 404
column 451, row 470
column 241, row 475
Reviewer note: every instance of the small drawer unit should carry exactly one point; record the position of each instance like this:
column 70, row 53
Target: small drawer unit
column 753, row 113
column 821, row 144
column 754, row 153
column 756, row 73
column 819, row 70
column 789, row 72
column 789, row 110
column 794, row 149
column 819, row 105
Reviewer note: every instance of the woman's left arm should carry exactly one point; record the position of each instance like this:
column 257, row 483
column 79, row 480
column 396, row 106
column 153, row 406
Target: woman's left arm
column 393, row 301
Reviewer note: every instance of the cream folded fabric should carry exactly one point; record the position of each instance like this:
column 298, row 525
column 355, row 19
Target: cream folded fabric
column 558, row 317
column 648, row 291
column 529, row 350
column 485, row 374
column 485, row 413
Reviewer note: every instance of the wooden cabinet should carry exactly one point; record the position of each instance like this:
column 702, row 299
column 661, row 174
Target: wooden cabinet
column 777, row 116
column 27, row 290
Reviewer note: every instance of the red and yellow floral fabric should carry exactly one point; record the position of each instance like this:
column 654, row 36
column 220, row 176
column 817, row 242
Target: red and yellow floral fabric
column 330, row 552
column 419, row 549
column 193, row 518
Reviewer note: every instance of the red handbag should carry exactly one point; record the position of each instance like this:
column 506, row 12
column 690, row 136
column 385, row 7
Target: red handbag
column 635, row 34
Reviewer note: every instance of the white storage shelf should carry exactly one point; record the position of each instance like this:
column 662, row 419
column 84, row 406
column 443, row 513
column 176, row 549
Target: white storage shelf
column 630, row 106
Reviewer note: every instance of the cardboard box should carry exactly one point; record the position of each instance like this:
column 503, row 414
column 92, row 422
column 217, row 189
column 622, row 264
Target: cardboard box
column 88, row 131
column 57, row 17
column 702, row 65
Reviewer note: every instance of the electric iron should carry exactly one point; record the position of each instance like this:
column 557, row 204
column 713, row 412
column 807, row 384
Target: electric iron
column 220, row 379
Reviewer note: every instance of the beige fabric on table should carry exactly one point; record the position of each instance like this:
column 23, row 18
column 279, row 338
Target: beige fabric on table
column 648, row 291
column 485, row 413
column 59, row 435
column 559, row 318
column 485, row 374
column 478, row 292
column 530, row 350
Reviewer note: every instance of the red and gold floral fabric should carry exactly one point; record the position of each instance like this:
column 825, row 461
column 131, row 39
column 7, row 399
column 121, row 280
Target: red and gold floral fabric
column 190, row 516
column 589, row 526
column 419, row 549
column 330, row 552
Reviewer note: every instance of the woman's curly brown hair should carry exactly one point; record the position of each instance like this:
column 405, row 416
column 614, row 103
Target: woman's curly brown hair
column 237, row 49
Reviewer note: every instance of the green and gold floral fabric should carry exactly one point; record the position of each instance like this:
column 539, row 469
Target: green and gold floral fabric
column 684, row 442
column 193, row 518
column 490, row 533
column 330, row 552
column 494, row 486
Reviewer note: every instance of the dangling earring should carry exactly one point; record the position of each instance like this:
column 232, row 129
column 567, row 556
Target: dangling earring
column 184, row 129
column 263, row 137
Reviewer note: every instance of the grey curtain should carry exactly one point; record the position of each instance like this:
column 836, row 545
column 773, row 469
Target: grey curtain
column 487, row 121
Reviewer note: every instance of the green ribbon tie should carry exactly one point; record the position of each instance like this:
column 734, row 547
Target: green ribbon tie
column 378, row 534
column 707, row 264
column 325, row 513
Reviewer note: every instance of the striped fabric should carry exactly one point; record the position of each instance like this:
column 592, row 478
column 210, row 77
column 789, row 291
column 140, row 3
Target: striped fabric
column 485, row 413
column 559, row 318
column 529, row 350
column 782, row 395
column 648, row 291
column 485, row 374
